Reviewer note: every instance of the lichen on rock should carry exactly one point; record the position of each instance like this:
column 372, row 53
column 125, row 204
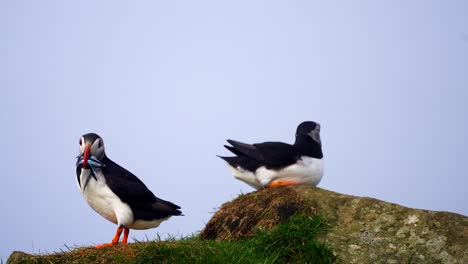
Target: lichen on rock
column 361, row 229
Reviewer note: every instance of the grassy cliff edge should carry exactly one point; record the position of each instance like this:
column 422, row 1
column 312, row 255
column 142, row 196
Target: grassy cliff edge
column 292, row 241
column 298, row 224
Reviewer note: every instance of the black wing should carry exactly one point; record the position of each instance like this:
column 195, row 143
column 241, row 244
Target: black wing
column 243, row 161
column 133, row 191
column 78, row 173
column 272, row 154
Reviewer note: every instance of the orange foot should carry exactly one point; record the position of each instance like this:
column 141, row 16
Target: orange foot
column 116, row 238
column 281, row 183
column 105, row 245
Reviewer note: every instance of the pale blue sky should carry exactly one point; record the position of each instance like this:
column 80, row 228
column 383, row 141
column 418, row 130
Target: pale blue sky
column 166, row 82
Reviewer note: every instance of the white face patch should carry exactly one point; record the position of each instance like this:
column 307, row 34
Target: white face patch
column 82, row 145
column 97, row 149
column 315, row 135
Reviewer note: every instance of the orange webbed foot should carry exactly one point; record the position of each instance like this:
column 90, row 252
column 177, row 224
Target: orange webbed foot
column 105, row 245
column 281, row 183
column 116, row 238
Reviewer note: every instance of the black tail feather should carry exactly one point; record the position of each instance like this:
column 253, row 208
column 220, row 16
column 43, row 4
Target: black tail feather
column 233, row 150
column 230, row 160
column 167, row 206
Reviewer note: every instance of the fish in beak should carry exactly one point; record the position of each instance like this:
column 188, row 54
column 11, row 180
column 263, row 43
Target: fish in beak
column 88, row 164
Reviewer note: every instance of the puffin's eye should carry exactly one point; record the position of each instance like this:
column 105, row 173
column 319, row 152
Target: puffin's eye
column 81, row 143
column 99, row 144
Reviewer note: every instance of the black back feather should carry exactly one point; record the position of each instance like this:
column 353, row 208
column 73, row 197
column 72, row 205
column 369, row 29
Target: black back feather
column 274, row 155
column 131, row 190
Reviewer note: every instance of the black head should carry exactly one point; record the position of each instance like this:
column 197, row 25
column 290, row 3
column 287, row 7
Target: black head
column 310, row 129
column 91, row 144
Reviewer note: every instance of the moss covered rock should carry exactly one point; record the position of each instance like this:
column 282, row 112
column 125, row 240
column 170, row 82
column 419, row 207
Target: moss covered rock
column 361, row 229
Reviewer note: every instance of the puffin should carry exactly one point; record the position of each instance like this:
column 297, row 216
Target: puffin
column 117, row 194
column 271, row 164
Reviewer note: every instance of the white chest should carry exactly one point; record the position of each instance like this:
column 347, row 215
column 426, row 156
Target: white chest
column 100, row 197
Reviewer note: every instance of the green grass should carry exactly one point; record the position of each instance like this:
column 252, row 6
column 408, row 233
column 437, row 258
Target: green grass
column 294, row 241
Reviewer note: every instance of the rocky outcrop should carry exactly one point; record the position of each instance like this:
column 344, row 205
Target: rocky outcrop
column 18, row 257
column 361, row 229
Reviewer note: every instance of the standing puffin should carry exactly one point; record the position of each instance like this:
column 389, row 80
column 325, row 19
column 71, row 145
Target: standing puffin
column 271, row 164
column 115, row 193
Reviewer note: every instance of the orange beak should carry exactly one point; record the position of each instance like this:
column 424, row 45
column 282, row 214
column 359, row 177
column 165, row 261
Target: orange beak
column 86, row 155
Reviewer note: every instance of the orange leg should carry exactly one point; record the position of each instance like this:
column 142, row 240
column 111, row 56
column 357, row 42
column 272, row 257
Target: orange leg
column 125, row 237
column 281, row 183
column 115, row 240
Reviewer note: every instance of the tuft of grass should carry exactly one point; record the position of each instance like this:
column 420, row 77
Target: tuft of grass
column 294, row 241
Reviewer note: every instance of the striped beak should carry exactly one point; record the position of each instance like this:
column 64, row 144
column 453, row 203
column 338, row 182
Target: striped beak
column 86, row 155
